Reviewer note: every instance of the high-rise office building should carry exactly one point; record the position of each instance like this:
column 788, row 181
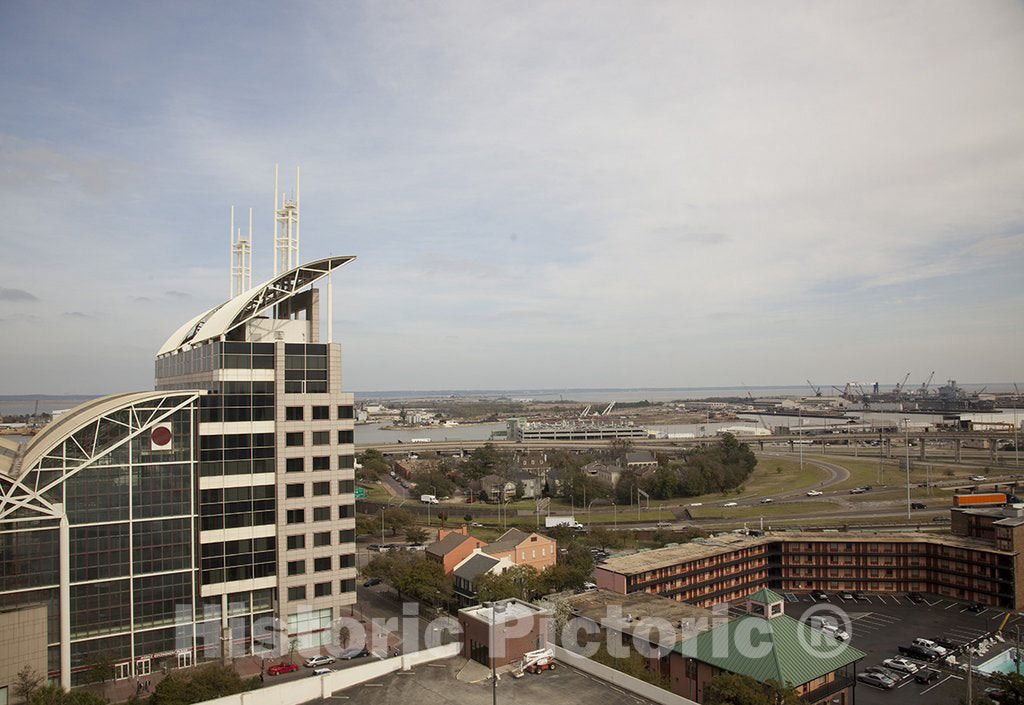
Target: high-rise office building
column 214, row 514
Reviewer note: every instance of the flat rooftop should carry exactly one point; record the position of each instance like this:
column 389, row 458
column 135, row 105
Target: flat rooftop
column 644, row 561
column 439, row 683
column 636, row 610
column 513, row 610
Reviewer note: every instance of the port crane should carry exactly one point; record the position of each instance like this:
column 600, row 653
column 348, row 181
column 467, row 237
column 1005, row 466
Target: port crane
column 816, row 390
column 899, row 387
column 585, row 411
column 923, row 391
column 608, row 409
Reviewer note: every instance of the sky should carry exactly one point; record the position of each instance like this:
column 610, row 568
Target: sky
column 539, row 194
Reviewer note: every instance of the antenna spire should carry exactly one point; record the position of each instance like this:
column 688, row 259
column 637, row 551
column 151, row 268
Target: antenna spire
column 241, row 257
column 286, row 227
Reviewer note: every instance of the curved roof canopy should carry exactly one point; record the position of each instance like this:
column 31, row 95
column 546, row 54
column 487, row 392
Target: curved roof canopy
column 223, row 318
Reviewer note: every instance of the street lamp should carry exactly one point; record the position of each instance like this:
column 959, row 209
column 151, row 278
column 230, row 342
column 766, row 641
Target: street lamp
column 906, row 440
column 590, row 515
column 495, row 610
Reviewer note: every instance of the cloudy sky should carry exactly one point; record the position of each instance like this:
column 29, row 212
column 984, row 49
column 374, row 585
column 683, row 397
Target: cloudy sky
column 540, row 194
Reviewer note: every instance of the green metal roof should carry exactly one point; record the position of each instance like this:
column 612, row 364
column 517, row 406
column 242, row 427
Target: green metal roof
column 780, row 649
column 766, row 596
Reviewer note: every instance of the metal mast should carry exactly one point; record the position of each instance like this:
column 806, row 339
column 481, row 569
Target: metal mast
column 286, row 227
column 241, row 257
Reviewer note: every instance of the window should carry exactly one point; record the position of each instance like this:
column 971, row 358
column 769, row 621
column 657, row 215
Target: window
column 293, row 413
column 346, row 462
column 296, row 541
column 322, row 538
column 345, row 412
column 321, row 513
column 321, row 412
column 346, row 561
column 346, row 486
column 297, row 593
column 296, row 567
column 322, row 462
column 296, row 516
column 296, row 490
column 347, row 536
column 346, row 511
column 294, row 438
column 345, row 437
column 322, row 564
column 321, row 589
column 348, row 585
column 321, row 438
column 321, row 488
column 295, row 464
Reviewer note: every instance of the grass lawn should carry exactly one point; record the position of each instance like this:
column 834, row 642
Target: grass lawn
column 864, row 471
column 782, row 509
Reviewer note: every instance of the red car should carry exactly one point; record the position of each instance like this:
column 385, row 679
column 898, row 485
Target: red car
column 279, row 668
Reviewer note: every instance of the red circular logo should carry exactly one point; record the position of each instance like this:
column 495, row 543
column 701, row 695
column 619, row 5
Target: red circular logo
column 160, row 436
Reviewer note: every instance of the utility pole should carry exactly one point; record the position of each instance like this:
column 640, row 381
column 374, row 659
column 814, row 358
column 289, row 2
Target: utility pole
column 906, row 437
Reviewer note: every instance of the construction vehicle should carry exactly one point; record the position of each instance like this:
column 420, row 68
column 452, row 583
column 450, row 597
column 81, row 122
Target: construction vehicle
column 535, row 662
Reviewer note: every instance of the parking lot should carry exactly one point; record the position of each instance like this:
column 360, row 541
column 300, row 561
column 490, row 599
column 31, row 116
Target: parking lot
column 879, row 623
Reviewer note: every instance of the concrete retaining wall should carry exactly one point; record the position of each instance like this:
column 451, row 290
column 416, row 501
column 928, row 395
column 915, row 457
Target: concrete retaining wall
column 620, row 679
column 302, row 690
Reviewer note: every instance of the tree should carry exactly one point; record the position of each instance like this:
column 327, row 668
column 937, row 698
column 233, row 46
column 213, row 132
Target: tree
column 467, row 517
column 734, row 689
column 56, row 695
column 603, row 537
column 195, row 685
column 415, row 535
column 25, row 683
column 556, row 578
column 619, row 447
column 101, row 667
column 1012, row 684
column 343, row 636
column 442, row 517
column 519, row 581
column 397, row 519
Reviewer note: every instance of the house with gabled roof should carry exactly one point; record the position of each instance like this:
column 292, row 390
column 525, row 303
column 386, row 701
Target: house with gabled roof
column 452, row 548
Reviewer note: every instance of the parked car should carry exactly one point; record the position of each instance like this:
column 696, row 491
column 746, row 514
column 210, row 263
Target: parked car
column 882, row 671
column 373, row 547
column 847, row 595
column 322, row 671
column 664, row 524
column 879, row 681
column 315, row 661
column 814, row 493
column 915, row 597
column 975, row 607
column 926, row 675
column 588, row 586
column 918, row 505
column 285, row 667
column 767, row 500
column 978, row 478
column 836, row 632
column 370, row 582
column 477, row 525
column 947, row 644
column 859, row 596
column 354, row 652
column 729, row 504
column 818, row 595
column 998, row 694
column 858, row 490
column 900, row 664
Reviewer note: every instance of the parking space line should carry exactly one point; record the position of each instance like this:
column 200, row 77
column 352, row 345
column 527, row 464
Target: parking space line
column 983, row 611
column 951, row 604
column 937, row 684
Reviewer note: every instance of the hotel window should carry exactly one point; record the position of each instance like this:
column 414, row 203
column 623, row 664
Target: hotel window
column 321, row 513
column 320, row 413
column 346, row 486
column 321, row 589
column 322, row 462
column 295, row 465
column 321, row 438
column 296, row 490
column 293, row 413
column 297, row 593
column 322, row 564
column 346, row 462
column 345, row 412
column 347, row 560
column 294, row 438
column 322, row 538
column 345, row 436
column 296, row 516
column 321, row 488
column 296, row 567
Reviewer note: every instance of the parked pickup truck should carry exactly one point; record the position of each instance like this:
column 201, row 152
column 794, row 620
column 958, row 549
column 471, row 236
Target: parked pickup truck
column 918, row 652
